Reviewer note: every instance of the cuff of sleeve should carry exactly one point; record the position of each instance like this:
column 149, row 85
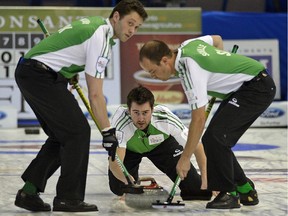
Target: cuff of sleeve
column 107, row 128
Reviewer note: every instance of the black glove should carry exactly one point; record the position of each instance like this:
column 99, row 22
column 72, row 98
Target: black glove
column 110, row 143
column 74, row 79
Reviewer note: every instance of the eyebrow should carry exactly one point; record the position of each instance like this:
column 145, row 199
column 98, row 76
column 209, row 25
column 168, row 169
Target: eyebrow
column 140, row 111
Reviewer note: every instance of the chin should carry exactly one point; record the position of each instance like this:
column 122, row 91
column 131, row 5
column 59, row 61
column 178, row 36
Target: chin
column 124, row 39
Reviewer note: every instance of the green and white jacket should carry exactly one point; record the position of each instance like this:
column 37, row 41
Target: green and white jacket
column 205, row 70
column 83, row 45
column 163, row 124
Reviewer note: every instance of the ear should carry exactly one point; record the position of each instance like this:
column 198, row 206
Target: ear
column 116, row 16
column 164, row 59
column 129, row 111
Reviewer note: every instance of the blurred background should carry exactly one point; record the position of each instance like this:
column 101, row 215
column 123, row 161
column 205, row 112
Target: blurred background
column 274, row 6
column 259, row 27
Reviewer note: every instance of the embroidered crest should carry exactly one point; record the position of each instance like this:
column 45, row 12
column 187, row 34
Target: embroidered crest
column 101, row 64
column 156, row 139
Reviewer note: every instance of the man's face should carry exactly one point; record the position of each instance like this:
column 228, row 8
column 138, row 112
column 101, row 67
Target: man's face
column 141, row 114
column 162, row 72
column 126, row 27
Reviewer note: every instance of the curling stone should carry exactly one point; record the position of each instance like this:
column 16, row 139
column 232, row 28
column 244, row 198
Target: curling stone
column 152, row 193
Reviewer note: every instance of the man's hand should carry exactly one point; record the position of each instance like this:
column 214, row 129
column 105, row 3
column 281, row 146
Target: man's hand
column 183, row 166
column 74, row 79
column 110, row 143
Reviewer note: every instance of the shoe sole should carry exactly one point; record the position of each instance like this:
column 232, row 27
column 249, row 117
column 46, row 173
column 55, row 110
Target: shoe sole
column 30, row 209
column 73, row 210
column 223, row 209
column 250, row 203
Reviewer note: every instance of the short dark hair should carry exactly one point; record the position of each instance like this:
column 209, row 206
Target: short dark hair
column 125, row 7
column 140, row 95
column 154, row 50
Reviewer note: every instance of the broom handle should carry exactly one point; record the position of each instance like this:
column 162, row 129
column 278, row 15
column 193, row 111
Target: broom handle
column 207, row 112
column 86, row 103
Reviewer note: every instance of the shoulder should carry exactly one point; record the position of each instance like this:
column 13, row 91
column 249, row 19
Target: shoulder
column 93, row 23
column 120, row 117
column 121, row 111
column 160, row 109
column 161, row 112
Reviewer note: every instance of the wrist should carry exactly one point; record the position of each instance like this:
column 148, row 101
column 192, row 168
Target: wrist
column 107, row 128
column 186, row 155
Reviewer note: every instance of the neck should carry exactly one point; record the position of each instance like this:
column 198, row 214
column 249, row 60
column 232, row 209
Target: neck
column 173, row 58
column 113, row 26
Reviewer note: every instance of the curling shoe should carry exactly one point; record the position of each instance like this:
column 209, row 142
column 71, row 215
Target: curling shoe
column 250, row 198
column 64, row 205
column 224, row 200
column 31, row 202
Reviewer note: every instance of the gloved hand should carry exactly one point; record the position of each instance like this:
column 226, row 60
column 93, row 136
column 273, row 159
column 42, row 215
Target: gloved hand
column 74, row 79
column 110, row 143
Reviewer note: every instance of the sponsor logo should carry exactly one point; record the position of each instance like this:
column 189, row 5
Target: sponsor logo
column 272, row 113
column 119, row 136
column 182, row 113
column 233, row 101
column 201, row 49
column 2, row 115
column 155, row 139
column 101, row 64
column 177, row 152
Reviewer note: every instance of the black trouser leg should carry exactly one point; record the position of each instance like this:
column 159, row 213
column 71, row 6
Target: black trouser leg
column 233, row 117
column 67, row 128
column 165, row 157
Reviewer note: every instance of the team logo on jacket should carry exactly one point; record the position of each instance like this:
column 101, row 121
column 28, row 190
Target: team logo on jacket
column 101, row 64
column 156, row 139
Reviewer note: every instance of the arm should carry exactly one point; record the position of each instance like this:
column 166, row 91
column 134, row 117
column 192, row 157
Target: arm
column 196, row 128
column 114, row 166
column 97, row 101
column 217, row 42
column 201, row 161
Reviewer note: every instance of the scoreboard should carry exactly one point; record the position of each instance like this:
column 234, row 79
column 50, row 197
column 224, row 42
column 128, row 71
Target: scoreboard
column 12, row 47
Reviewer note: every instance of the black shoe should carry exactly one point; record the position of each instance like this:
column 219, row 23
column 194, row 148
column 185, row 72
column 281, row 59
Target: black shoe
column 198, row 195
column 224, row 201
column 72, row 206
column 250, row 198
column 31, row 202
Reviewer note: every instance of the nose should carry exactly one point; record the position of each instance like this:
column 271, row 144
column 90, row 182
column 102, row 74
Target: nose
column 141, row 117
column 132, row 30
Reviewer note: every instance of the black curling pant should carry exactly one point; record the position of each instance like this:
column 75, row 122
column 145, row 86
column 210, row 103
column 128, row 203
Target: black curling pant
column 68, row 131
column 233, row 117
column 165, row 158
